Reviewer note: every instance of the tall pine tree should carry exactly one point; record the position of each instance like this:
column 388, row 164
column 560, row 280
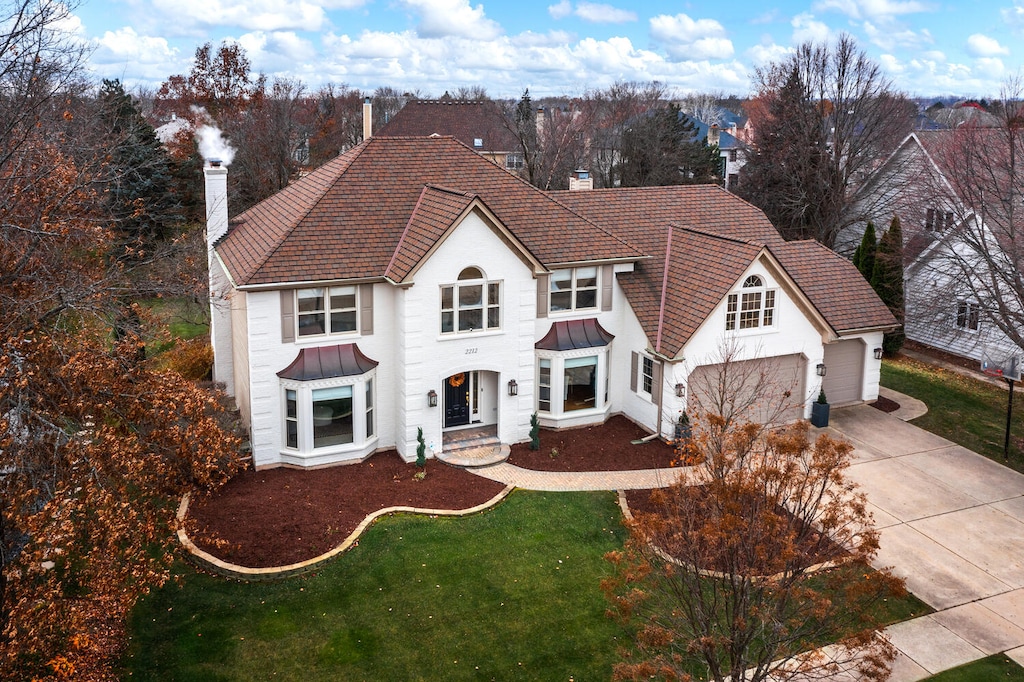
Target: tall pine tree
column 662, row 148
column 887, row 281
column 865, row 256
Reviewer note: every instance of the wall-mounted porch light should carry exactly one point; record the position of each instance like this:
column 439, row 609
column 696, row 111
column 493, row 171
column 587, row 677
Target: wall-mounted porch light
column 821, row 369
column 680, row 390
column 513, row 387
column 431, row 398
column 878, row 354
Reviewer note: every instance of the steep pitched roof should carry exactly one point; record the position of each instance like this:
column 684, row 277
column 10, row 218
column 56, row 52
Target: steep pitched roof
column 466, row 121
column 834, row 285
column 346, row 219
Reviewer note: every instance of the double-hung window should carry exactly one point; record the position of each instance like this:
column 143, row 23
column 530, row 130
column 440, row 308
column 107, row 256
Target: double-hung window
column 752, row 307
column 471, row 304
column 326, row 310
column 968, row 315
column 573, row 289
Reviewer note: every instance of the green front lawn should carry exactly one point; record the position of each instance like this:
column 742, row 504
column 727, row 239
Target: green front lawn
column 512, row 593
column 997, row 667
column 961, row 409
column 183, row 318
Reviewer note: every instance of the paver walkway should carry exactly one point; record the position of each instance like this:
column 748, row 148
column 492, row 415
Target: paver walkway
column 951, row 523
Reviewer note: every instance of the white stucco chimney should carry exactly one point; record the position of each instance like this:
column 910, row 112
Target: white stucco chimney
column 216, row 201
column 580, row 180
column 367, row 118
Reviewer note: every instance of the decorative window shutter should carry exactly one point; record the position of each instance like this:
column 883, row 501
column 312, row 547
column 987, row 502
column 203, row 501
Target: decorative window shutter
column 366, row 309
column 543, row 283
column 287, row 316
column 633, row 371
column 656, row 389
column 607, row 277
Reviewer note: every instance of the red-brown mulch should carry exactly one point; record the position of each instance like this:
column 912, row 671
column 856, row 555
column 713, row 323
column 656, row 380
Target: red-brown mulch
column 885, row 405
column 814, row 547
column 594, row 448
column 282, row 516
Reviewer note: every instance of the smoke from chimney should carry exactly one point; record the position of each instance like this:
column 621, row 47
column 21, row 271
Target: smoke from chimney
column 210, row 139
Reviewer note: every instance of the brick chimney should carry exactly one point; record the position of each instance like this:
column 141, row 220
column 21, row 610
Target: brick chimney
column 580, row 180
column 367, row 118
column 714, row 134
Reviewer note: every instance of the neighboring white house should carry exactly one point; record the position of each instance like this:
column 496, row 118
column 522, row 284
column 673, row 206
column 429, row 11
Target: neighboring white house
column 411, row 283
column 947, row 290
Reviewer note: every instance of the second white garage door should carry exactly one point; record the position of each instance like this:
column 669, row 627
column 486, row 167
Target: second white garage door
column 755, row 390
column 844, row 363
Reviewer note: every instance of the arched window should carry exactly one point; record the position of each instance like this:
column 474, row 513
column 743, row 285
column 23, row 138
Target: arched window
column 471, row 305
column 751, row 308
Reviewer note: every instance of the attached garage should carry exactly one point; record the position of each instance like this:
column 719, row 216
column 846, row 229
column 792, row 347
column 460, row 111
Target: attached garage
column 844, row 371
column 762, row 390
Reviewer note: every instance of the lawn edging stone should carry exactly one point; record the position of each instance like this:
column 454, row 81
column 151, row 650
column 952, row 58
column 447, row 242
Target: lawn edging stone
column 208, row 562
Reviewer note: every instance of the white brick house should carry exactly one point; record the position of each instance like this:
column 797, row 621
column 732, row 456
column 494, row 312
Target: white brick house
column 410, row 283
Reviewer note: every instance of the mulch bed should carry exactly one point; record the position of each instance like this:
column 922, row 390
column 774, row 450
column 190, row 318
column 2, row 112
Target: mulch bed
column 594, row 448
column 814, row 547
column 885, row 405
column 283, row 516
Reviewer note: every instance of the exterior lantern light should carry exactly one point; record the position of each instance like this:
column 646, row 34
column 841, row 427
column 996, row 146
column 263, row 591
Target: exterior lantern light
column 680, row 390
column 513, row 387
column 432, row 398
column 878, row 354
column 821, row 369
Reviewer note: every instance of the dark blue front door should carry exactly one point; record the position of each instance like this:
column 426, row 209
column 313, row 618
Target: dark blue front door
column 456, row 400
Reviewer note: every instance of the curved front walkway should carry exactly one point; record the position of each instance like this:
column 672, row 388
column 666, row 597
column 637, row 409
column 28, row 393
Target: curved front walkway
column 558, row 481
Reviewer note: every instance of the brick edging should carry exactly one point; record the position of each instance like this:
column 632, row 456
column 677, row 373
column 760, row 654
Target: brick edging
column 211, row 563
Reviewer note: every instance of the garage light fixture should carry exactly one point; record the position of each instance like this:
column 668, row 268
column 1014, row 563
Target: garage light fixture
column 431, row 398
column 821, row 369
column 878, row 354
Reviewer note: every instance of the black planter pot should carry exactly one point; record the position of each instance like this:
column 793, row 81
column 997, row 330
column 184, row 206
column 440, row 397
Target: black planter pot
column 819, row 414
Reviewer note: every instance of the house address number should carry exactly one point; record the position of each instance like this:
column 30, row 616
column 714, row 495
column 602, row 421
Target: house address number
column 471, row 351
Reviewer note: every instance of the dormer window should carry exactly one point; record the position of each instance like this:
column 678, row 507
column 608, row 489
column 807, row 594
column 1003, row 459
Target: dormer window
column 472, row 304
column 752, row 308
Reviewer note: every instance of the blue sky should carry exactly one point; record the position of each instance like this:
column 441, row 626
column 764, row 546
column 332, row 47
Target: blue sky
column 966, row 48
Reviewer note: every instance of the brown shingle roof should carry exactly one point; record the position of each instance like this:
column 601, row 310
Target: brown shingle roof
column 436, row 210
column 346, row 219
column 834, row 286
column 466, row 121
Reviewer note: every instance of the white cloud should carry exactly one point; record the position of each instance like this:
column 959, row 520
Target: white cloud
column 276, row 51
column 444, row 18
column 872, row 9
column 561, row 10
column 1014, row 16
column 893, row 37
column 979, row 45
column 687, row 39
column 767, row 52
column 807, row 28
column 254, row 15
column 125, row 45
column 600, row 13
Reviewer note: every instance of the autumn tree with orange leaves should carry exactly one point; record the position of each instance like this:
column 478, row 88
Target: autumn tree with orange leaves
column 759, row 550
column 96, row 446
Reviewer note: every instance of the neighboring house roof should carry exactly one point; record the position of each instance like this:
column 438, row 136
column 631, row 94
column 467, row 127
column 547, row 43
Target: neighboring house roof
column 466, row 121
column 346, row 220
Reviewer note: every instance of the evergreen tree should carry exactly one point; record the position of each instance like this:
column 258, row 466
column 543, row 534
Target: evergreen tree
column 139, row 176
column 887, row 281
column 866, row 253
column 661, row 148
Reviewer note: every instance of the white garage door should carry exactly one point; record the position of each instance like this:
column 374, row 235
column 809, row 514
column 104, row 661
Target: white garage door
column 844, row 363
column 763, row 390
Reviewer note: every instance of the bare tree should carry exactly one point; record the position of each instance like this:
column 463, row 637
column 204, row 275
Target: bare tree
column 703, row 106
column 827, row 118
column 609, row 114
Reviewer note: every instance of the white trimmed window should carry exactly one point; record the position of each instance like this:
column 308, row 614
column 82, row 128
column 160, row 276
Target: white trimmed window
column 327, row 310
column 752, row 307
column 968, row 316
column 470, row 305
column 329, row 415
column 646, row 375
column 570, row 382
column 573, row 289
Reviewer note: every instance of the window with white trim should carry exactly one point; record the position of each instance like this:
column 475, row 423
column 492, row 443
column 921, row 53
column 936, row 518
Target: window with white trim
column 568, row 381
column 647, row 374
column 327, row 310
column 470, row 305
column 573, row 289
column 968, row 316
column 329, row 415
column 752, row 307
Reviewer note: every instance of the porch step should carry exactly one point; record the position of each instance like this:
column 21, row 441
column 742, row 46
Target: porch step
column 476, row 452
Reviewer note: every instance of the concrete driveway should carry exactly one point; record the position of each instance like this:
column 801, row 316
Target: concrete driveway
column 952, row 525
